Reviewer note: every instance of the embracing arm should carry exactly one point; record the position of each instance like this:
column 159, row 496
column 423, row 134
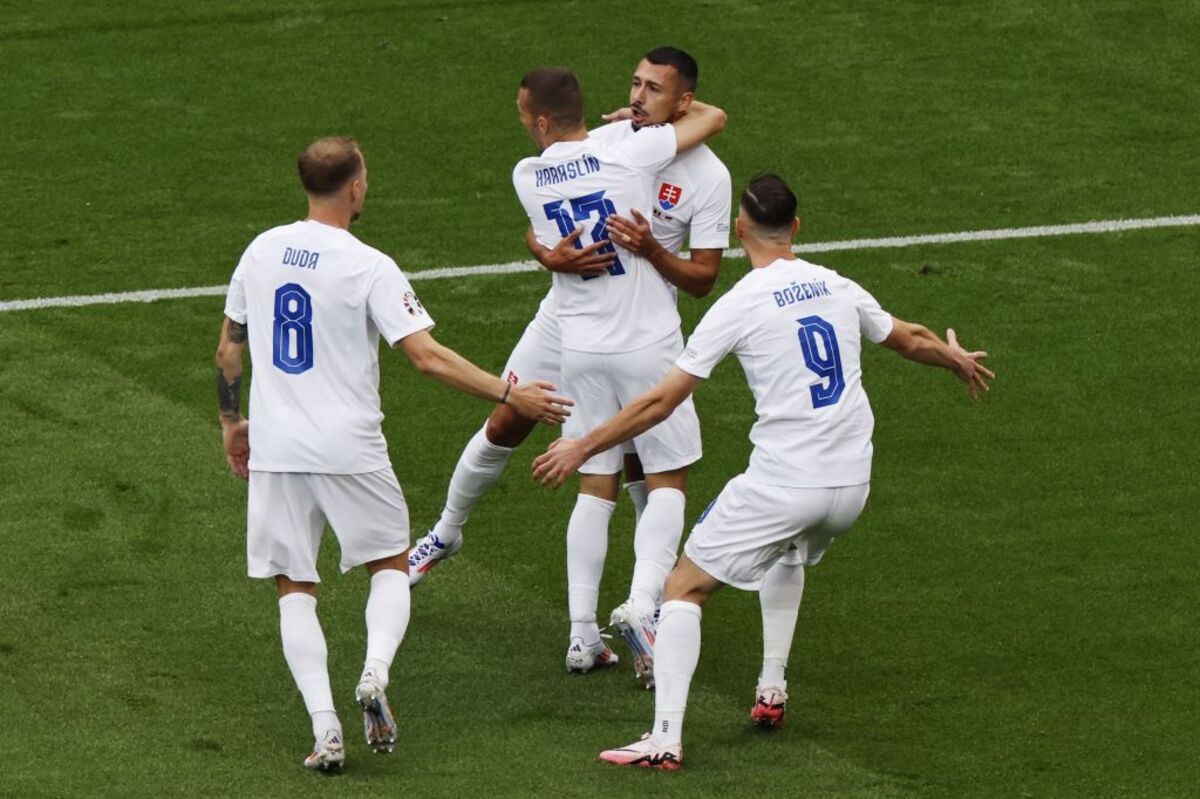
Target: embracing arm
column 920, row 344
column 701, row 122
column 234, row 427
column 565, row 455
column 531, row 400
column 696, row 274
column 569, row 258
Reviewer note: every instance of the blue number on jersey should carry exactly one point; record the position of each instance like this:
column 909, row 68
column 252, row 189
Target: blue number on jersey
column 818, row 340
column 292, row 348
column 582, row 209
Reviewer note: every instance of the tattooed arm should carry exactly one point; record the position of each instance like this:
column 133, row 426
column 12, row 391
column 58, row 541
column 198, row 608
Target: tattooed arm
column 235, row 430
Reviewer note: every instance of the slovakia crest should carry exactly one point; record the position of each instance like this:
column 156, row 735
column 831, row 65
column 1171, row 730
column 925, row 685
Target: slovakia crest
column 412, row 304
column 668, row 196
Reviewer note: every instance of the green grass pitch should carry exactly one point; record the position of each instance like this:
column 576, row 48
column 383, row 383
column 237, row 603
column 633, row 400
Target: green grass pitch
column 1014, row 615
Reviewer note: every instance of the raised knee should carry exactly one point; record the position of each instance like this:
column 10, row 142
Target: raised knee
column 507, row 428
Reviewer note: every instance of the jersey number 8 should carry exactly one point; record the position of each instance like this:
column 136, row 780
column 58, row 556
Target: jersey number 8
column 818, row 341
column 292, row 343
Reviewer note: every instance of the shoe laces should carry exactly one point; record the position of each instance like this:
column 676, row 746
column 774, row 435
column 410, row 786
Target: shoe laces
column 428, row 545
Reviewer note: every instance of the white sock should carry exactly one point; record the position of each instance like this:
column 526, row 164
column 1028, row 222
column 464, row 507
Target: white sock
column 478, row 468
column 676, row 652
column 387, row 615
column 780, row 594
column 306, row 655
column 324, row 721
column 637, row 493
column 587, row 546
column 656, row 545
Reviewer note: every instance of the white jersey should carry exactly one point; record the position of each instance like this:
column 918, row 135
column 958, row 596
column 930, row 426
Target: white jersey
column 692, row 195
column 580, row 183
column 797, row 330
column 315, row 301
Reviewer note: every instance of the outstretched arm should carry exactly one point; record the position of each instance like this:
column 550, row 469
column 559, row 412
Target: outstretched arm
column 566, row 455
column 532, row 400
column 234, row 427
column 919, row 343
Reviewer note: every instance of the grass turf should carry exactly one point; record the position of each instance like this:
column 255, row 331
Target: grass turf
column 1014, row 614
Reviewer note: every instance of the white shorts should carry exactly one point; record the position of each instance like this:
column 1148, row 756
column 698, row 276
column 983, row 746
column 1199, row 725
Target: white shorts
column 287, row 512
column 751, row 525
column 602, row 383
column 538, row 354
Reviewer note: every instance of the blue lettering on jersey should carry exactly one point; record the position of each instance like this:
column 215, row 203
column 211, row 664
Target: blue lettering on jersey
column 304, row 259
column 799, row 292
column 561, row 173
column 819, row 345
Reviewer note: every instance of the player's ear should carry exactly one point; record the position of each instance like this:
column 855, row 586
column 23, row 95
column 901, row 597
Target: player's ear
column 685, row 102
column 795, row 225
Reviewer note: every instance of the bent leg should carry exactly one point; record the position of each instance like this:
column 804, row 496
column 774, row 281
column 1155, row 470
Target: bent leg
column 779, row 597
column 305, row 651
column 587, row 548
column 656, row 540
column 479, row 467
column 387, row 614
column 677, row 648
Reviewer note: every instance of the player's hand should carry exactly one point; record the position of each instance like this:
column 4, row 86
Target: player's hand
column 968, row 366
column 570, row 259
column 560, row 461
column 235, row 436
column 632, row 234
column 537, row 401
column 618, row 115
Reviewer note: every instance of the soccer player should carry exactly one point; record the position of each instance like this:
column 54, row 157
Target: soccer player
column 619, row 330
column 797, row 330
column 693, row 201
column 311, row 301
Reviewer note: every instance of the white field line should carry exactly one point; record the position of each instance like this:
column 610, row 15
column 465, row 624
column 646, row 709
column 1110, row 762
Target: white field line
column 1104, row 226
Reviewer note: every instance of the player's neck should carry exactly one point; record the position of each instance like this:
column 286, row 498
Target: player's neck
column 578, row 134
column 766, row 253
column 330, row 215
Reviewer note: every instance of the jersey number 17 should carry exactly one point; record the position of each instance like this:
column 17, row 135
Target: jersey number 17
column 582, row 209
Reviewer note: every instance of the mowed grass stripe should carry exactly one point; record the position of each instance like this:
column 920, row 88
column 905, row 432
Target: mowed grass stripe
column 887, row 242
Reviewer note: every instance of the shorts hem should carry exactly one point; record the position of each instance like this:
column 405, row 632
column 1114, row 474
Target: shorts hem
column 267, row 574
column 720, row 574
column 596, row 471
column 672, row 465
column 363, row 560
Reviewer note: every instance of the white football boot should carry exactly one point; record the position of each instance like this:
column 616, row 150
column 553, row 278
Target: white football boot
column 582, row 658
column 379, row 726
column 328, row 753
column 638, row 630
column 428, row 552
column 647, row 754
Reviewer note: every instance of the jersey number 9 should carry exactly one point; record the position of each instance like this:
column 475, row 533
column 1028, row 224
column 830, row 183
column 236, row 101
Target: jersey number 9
column 818, row 341
column 292, row 343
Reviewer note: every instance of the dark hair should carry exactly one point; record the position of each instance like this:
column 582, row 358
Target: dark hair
column 554, row 92
column 328, row 164
column 684, row 64
column 769, row 202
